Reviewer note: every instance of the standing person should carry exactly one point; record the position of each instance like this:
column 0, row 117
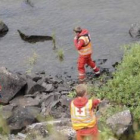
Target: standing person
column 83, row 44
column 82, row 115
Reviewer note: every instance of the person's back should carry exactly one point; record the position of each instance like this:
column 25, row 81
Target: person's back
column 82, row 115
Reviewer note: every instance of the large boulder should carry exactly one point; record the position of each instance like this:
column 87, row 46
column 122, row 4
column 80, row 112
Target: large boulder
column 11, row 84
column 22, row 117
column 22, row 101
column 120, row 123
column 3, row 29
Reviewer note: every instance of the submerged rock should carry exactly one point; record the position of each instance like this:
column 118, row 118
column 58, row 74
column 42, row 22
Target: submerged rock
column 34, row 38
column 3, row 29
column 134, row 31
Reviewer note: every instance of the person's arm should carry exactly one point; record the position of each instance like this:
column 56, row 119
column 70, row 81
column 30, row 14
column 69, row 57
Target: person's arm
column 96, row 102
column 78, row 43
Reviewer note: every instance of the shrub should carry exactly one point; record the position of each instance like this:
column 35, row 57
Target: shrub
column 124, row 88
column 31, row 62
column 60, row 54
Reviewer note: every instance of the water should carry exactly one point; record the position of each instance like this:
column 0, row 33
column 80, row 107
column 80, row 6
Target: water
column 108, row 23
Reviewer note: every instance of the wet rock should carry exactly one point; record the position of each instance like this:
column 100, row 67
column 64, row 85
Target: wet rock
column 66, row 101
column 37, row 128
column 19, row 136
column 36, row 78
column 63, row 87
column 3, row 29
column 34, row 38
column 48, row 87
column 33, row 87
column 11, row 84
column 24, row 101
column 67, row 131
column 59, row 106
column 7, row 111
column 47, row 104
column 120, row 123
column 134, row 30
column 100, row 61
column 29, row 3
column 22, row 117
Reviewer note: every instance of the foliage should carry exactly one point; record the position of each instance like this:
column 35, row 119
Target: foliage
column 72, row 94
column 4, row 130
column 124, row 88
column 60, row 54
column 31, row 62
column 106, row 134
column 54, row 41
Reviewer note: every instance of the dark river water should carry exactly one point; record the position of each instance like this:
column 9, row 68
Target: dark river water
column 107, row 20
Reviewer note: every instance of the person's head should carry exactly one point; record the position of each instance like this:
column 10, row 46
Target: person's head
column 77, row 30
column 81, row 90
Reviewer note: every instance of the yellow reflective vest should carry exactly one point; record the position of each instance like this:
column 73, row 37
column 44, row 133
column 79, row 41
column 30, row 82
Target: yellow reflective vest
column 87, row 49
column 83, row 117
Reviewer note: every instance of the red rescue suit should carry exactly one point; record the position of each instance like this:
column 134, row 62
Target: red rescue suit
column 82, row 43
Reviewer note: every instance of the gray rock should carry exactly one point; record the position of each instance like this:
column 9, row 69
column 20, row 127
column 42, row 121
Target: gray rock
column 11, row 84
column 22, row 117
column 134, row 30
column 40, row 127
column 7, row 111
column 3, row 29
column 22, row 101
column 33, row 87
column 120, row 122
column 48, row 87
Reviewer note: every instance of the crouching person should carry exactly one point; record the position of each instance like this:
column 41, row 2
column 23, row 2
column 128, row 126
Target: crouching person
column 83, row 116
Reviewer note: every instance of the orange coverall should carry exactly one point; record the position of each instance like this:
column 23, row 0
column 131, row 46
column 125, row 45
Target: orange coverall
column 84, row 59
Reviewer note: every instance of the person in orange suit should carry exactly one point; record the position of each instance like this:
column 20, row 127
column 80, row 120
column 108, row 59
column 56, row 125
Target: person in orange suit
column 83, row 44
column 83, row 118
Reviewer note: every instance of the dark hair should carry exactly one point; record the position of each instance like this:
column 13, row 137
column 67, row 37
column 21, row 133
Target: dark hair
column 77, row 29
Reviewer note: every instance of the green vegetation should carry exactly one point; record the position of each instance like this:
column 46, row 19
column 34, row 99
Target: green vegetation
column 31, row 62
column 4, row 130
column 72, row 94
column 124, row 89
column 54, row 41
column 60, row 54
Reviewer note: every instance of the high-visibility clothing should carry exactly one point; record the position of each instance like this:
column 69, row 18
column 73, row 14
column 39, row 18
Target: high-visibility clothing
column 87, row 48
column 89, row 133
column 83, row 117
column 83, row 45
column 81, row 66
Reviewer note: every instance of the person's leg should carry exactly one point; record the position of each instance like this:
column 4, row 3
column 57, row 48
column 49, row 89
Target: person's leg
column 95, row 133
column 81, row 69
column 79, row 137
column 92, row 64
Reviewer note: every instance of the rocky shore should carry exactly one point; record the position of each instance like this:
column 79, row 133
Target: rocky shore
column 37, row 107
